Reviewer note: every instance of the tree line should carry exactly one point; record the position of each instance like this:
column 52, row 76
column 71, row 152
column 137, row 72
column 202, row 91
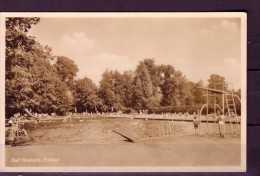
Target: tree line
column 44, row 83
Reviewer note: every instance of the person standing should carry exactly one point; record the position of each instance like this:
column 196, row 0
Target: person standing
column 221, row 123
column 196, row 123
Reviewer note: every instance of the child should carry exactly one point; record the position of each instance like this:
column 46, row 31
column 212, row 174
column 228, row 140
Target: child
column 196, row 123
column 22, row 131
column 221, row 123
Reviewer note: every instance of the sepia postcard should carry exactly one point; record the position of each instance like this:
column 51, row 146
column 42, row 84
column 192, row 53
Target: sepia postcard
column 123, row 92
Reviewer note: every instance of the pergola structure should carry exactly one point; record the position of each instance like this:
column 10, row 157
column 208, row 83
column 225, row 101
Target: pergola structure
column 228, row 102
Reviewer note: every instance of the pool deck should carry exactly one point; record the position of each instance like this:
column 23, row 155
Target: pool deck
column 166, row 117
column 171, row 151
column 188, row 118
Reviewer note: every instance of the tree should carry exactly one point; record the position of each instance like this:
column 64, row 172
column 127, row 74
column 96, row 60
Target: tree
column 66, row 69
column 155, row 75
column 174, row 87
column 17, row 46
column 216, row 82
column 237, row 102
column 143, row 87
column 17, row 40
column 169, row 86
column 31, row 80
column 86, row 97
column 35, row 88
column 198, row 93
column 106, row 90
column 127, row 79
column 154, row 72
column 139, row 101
column 116, row 89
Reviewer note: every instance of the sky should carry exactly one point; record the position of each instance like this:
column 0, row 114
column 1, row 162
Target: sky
column 198, row 47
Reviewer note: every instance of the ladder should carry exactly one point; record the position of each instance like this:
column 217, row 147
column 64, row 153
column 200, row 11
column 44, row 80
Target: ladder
column 232, row 112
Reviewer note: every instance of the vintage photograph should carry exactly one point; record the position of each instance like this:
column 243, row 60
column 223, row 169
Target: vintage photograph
column 123, row 91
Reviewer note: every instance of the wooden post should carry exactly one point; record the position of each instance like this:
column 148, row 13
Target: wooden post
column 223, row 108
column 162, row 128
column 238, row 127
column 199, row 112
column 159, row 130
column 207, row 111
column 224, row 127
column 223, row 99
column 169, row 125
column 214, row 113
column 172, row 124
column 230, row 121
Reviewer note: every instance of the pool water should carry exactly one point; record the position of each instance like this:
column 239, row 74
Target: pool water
column 100, row 130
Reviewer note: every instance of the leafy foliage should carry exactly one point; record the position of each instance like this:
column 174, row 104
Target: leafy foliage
column 174, row 87
column 143, row 95
column 43, row 83
column 116, row 90
column 216, row 82
column 16, row 39
column 86, row 97
column 28, row 84
column 66, row 69
column 198, row 93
